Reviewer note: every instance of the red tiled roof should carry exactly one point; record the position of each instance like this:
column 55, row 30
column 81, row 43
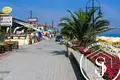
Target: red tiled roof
column 38, row 25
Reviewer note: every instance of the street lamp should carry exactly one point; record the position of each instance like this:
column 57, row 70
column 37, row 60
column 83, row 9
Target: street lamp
column 93, row 7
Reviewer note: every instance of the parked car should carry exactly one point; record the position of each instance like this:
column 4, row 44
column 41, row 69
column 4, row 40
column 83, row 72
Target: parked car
column 59, row 38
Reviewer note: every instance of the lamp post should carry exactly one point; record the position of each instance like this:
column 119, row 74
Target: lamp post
column 93, row 7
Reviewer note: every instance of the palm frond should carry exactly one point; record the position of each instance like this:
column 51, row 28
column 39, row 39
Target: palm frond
column 80, row 25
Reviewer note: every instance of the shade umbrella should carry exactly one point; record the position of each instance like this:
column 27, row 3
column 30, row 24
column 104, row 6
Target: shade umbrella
column 109, row 40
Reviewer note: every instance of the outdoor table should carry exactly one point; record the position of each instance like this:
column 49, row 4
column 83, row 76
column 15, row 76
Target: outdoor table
column 15, row 44
column 10, row 45
column 2, row 48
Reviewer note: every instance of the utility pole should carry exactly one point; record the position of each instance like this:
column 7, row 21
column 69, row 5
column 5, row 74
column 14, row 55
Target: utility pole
column 45, row 23
column 45, row 26
column 52, row 23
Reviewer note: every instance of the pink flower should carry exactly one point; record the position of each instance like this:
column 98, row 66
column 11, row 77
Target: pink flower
column 112, row 70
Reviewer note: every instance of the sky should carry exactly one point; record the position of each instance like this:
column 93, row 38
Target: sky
column 48, row 10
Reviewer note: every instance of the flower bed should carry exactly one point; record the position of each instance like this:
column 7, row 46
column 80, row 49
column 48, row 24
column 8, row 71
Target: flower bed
column 112, row 69
column 75, row 42
column 75, row 45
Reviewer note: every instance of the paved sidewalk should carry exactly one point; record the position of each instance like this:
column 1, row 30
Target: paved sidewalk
column 40, row 61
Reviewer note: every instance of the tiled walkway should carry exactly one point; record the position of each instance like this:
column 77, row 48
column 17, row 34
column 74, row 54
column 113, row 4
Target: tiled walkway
column 40, row 61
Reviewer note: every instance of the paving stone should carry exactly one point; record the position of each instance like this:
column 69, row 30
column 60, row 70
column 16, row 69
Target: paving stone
column 41, row 61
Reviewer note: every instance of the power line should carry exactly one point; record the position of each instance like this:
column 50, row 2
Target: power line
column 23, row 8
column 20, row 6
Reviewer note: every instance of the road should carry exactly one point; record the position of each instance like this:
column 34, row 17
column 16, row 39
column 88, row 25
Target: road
column 40, row 61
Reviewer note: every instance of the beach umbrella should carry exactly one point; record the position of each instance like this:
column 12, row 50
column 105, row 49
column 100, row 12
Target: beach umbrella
column 115, row 40
column 109, row 40
column 103, row 37
column 119, row 43
column 101, row 40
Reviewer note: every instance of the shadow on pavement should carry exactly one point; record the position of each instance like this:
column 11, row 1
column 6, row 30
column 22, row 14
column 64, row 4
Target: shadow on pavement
column 62, row 52
column 76, row 69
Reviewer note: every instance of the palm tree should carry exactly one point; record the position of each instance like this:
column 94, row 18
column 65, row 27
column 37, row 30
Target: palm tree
column 80, row 26
column 66, row 31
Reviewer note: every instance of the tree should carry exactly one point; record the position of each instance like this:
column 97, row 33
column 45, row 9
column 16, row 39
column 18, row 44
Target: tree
column 81, row 26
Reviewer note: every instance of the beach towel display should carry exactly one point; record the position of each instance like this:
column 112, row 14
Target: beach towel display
column 33, row 38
